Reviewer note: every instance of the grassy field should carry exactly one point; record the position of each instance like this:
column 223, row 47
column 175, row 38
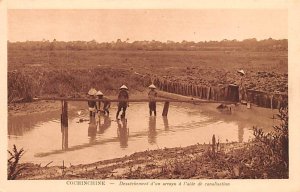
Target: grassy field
column 55, row 72
column 155, row 61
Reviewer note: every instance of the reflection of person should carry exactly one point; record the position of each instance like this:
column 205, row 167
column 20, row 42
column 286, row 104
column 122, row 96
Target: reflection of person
column 123, row 133
column 92, row 104
column 123, row 95
column 152, row 96
column 166, row 123
column 152, row 130
column 106, row 124
column 241, row 127
column 92, row 129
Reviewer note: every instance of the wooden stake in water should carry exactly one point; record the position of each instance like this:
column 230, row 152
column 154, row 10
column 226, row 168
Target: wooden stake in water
column 64, row 125
column 166, row 108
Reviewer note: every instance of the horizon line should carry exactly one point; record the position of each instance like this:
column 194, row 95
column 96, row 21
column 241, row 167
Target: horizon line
column 127, row 41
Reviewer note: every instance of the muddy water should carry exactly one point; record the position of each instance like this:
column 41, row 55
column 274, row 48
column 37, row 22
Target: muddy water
column 103, row 138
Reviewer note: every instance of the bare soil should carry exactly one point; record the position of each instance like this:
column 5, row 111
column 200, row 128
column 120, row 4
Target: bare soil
column 231, row 161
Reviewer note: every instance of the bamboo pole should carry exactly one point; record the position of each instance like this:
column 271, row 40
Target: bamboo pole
column 134, row 100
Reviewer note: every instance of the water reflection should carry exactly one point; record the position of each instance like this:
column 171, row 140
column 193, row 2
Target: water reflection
column 65, row 137
column 20, row 124
column 241, row 127
column 92, row 129
column 81, row 139
column 123, row 132
column 103, row 125
column 152, row 130
column 166, row 123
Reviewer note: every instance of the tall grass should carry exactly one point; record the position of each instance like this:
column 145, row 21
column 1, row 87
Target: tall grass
column 24, row 85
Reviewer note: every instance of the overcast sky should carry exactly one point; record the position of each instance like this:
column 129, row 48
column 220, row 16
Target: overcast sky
column 161, row 25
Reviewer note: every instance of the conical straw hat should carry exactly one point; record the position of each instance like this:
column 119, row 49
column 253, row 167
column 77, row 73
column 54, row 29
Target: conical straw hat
column 92, row 91
column 99, row 93
column 152, row 86
column 123, row 87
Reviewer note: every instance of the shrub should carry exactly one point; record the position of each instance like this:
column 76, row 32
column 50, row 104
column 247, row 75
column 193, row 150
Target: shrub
column 275, row 143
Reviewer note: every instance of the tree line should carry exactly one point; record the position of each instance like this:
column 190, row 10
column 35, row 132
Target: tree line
column 225, row 45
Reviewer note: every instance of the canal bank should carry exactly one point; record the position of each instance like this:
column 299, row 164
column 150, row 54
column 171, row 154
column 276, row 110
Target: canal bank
column 232, row 161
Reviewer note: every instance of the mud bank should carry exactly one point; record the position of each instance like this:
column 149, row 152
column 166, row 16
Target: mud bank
column 232, row 161
column 17, row 109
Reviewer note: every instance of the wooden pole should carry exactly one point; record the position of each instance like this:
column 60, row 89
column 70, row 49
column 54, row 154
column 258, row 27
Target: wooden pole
column 64, row 124
column 166, row 109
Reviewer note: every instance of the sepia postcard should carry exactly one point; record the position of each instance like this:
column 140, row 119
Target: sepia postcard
column 149, row 95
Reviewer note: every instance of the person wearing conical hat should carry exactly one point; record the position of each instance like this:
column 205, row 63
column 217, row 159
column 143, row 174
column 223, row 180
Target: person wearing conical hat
column 106, row 102
column 242, row 89
column 106, row 105
column 152, row 94
column 122, row 105
column 99, row 95
column 92, row 104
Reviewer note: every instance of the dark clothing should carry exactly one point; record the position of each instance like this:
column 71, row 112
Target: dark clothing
column 92, row 108
column 242, row 90
column 123, row 94
column 152, row 107
column 152, row 103
column 106, row 107
column 92, row 104
column 119, row 110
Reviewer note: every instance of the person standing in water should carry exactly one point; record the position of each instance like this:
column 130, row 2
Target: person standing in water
column 242, row 89
column 92, row 104
column 152, row 96
column 106, row 103
column 100, row 96
column 122, row 105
